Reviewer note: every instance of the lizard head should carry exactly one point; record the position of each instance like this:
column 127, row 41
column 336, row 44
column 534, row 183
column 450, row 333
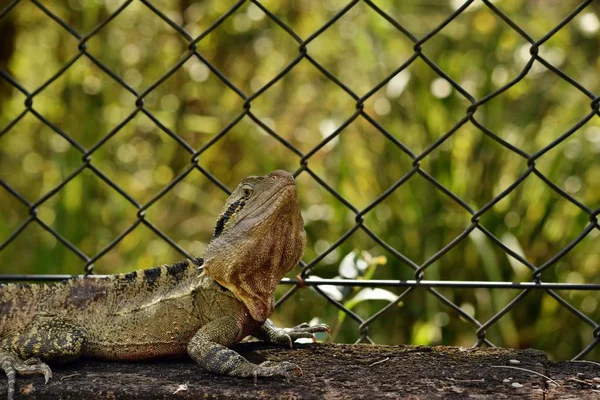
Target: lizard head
column 259, row 203
column 259, row 237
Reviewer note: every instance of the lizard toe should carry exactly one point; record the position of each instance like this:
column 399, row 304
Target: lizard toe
column 10, row 373
column 7, row 364
column 307, row 331
column 283, row 339
column 32, row 361
column 283, row 369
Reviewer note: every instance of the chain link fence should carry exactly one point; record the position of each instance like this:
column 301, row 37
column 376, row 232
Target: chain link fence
column 521, row 289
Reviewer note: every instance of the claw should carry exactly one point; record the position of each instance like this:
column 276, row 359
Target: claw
column 47, row 375
column 299, row 370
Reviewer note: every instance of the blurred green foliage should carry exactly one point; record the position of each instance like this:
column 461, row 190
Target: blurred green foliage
column 477, row 50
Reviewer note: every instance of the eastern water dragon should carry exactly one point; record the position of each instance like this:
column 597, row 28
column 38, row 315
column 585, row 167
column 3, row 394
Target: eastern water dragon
column 198, row 307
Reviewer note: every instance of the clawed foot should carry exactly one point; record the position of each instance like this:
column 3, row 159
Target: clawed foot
column 35, row 366
column 286, row 336
column 11, row 365
column 269, row 369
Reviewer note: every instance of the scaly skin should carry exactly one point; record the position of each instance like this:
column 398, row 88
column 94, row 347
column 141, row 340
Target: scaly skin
column 198, row 307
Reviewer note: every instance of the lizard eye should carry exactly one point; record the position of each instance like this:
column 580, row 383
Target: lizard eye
column 247, row 190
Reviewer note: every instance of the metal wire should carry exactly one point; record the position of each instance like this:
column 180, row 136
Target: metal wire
column 304, row 279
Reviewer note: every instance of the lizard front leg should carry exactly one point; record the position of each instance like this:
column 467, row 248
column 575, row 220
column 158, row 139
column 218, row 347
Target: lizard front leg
column 209, row 348
column 269, row 333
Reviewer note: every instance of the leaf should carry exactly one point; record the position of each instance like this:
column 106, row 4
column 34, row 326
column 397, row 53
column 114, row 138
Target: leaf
column 512, row 243
column 375, row 294
column 488, row 256
column 371, row 294
column 348, row 268
column 330, row 290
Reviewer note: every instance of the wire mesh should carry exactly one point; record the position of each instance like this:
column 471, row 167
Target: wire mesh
column 304, row 278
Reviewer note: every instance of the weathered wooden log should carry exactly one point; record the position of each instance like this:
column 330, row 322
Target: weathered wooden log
column 334, row 372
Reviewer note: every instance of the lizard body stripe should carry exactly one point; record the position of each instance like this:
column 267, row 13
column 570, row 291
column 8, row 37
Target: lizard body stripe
column 222, row 222
column 131, row 276
column 178, row 269
column 152, row 275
